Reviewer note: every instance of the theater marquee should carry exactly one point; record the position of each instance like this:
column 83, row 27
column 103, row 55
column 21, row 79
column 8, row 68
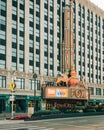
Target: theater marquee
column 78, row 93
column 53, row 92
column 65, row 92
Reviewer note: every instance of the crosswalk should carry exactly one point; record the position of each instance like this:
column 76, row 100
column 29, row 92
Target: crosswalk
column 23, row 127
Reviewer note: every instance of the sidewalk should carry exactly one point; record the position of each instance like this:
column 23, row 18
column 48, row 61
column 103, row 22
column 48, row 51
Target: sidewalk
column 10, row 121
column 4, row 115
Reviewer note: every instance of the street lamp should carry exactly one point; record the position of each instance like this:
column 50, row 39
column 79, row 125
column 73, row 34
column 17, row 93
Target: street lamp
column 34, row 77
column 12, row 87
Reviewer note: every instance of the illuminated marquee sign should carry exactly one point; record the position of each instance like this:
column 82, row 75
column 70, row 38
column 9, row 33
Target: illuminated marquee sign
column 61, row 92
column 53, row 92
column 79, row 93
column 64, row 92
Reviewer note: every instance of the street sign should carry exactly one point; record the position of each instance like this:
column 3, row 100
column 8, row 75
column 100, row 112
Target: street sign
column 12, row 98
column 12, row 86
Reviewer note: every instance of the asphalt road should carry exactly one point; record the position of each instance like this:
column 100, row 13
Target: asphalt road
column 73, row 123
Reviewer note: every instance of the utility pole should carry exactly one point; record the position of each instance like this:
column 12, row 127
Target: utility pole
column 12, row 87
column 34, row 77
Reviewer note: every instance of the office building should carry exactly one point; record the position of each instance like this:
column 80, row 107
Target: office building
column 88, row 23
column 31, row 37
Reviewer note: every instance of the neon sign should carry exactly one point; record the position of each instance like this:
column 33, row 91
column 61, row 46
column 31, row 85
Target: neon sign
column 79, row 93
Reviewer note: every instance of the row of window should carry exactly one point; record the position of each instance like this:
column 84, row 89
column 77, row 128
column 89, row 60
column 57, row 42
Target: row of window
column 98, row 91
column 81, row 10
column 2, row 34
column 20, row 83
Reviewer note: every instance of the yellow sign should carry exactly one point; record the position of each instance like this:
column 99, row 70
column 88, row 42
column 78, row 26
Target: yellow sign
column 12, row 86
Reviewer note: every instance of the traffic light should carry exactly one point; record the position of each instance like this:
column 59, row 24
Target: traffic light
column 12, row 86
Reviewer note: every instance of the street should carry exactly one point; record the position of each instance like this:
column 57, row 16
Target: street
column 72, row 123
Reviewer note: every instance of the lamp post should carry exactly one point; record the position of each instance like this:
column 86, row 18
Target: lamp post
column 12, row 87
column 34, row 77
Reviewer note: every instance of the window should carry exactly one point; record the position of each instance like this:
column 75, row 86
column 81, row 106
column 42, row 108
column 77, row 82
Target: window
column 45, row 60
column 31, row 17
column 20, row 83
column 31, row 43
column 31, row 5
column 51, row 14
column 51, row 49
column 21, row 67
column 2, row 64
column 2, row 49
column 91, row 90
column 21, row 1
column 14, row 66
column 37, row 58
column 14, row 24
column 46, row 1
column 37, row 70
column 46, row 12
column 37, row 33
column 14, row 10
column 37, row 45
column 37, row 84
column 51, row 72
column 45, row 71
column 31, row 69
column 2, row 81
column 2, row 34
column 98, row 91
column 37, row 20
column 21, row 40
column 31, row 84
column 51, row 26
column 2, row 20
column 21, row 13
column 45, row 35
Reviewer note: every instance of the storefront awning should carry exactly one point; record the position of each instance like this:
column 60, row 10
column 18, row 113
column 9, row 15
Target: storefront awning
column 96, row 100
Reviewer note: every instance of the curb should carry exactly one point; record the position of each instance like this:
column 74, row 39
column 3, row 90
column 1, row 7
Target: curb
column 10, row 121
column 64, row 116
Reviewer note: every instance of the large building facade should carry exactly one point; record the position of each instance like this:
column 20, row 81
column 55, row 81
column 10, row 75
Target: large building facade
column 88, row 35
column 31, row 40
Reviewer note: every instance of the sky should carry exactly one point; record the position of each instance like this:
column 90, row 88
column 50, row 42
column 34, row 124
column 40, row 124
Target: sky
column 99, row 3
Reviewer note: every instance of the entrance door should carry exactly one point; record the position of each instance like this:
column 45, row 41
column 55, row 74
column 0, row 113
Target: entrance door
column 38, row 105
column 2, row 105
column 20, row 105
